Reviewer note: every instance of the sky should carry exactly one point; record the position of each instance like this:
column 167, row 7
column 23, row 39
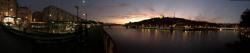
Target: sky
column 124, row 11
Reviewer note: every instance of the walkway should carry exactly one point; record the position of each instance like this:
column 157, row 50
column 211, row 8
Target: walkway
column 93, row 43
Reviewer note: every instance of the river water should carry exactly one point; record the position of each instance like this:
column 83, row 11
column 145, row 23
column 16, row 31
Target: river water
column 129, row 40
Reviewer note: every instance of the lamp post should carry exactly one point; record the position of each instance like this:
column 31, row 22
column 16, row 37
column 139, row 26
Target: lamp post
column 85, row 15
column 77, row 10
column 84, row 9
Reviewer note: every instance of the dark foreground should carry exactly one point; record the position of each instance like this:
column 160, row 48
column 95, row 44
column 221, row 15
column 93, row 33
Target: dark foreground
column 97, row 41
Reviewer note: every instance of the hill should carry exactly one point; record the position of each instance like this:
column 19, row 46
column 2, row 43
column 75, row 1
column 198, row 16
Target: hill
column 168, row 21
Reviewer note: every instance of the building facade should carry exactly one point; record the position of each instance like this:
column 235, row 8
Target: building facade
column 24, row 16
column 53, row 13
column 8, row 8
column 56, row 20
column 38, row 17
column 24, row 13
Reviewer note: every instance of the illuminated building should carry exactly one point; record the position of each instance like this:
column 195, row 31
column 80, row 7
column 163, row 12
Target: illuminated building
column 25, row 14
column 56, row 20
column 8, row 21
column 8, row 8
column 53, row 13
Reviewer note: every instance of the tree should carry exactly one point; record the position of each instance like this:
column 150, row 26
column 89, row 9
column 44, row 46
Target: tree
column 245, row 18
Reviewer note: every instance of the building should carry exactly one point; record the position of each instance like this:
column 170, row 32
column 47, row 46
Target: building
column 53, row 13
column 25, row 14
column 59, row 20
column 8, row 8
column 54, row 20
column 38, row 17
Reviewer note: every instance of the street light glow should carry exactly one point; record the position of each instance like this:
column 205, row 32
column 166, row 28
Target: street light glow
column 11, row 9
column 84, row 14
column 83, row 1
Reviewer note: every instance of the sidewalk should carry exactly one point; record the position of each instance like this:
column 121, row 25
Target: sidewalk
column 94, row 42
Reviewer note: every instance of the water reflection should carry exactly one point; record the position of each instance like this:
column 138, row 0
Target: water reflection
column 165, row 41
column 241, row 46
column 177, row 34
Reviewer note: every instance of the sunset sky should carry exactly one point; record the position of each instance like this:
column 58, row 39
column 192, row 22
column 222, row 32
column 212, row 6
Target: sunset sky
column 123, row 11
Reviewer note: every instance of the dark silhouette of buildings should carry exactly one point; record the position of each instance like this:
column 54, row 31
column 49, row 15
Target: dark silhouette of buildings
column 170, row 22
column 54, row 13
column 245, row 18
column 37, row 17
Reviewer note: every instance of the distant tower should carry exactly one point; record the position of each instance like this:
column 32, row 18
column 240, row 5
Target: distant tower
column 174, row 13
column 162, row 16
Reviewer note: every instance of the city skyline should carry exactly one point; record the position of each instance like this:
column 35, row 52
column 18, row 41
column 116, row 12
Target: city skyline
column 120, row 11
column 125, row 26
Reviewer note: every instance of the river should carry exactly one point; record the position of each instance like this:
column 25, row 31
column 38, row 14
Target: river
column 129, row 40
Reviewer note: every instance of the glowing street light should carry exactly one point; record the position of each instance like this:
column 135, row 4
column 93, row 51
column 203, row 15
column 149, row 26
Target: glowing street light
column 83, row 1
column 11, row 9
column 84, row 14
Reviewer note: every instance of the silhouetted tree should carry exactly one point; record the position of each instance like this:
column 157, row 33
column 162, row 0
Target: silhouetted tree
column 245, row 18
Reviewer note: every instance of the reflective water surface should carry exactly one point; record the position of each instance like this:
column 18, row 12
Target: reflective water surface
column 130, row 40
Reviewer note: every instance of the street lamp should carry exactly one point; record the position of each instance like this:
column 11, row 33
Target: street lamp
column 83, row 1
column 77, row 9
column 85, row 9
column 11, row 9
column 85, row 14
column 50, row 15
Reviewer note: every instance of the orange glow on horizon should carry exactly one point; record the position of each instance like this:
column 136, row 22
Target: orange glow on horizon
column 139, row 16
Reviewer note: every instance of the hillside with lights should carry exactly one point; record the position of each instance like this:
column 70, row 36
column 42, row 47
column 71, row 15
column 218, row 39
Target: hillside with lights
column 164, row 22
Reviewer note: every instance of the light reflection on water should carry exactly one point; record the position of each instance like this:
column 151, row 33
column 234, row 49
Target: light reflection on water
column 177, row 41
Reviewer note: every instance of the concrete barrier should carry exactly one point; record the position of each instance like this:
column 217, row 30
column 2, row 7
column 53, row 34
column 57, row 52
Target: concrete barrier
column 43, row 37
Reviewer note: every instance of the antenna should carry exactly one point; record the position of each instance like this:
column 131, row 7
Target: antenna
column 174, row 13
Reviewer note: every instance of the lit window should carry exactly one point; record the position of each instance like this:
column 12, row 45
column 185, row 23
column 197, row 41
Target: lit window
column 11, row 9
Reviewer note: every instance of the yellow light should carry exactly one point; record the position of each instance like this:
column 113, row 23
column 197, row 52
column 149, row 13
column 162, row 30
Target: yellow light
column 11, row 9
column 136, row 19
column 84, row 14
column 6, row 13
column 174, row 25
column 161, row 16
column 220, row 29
column 19, row 18
column 8, row 20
